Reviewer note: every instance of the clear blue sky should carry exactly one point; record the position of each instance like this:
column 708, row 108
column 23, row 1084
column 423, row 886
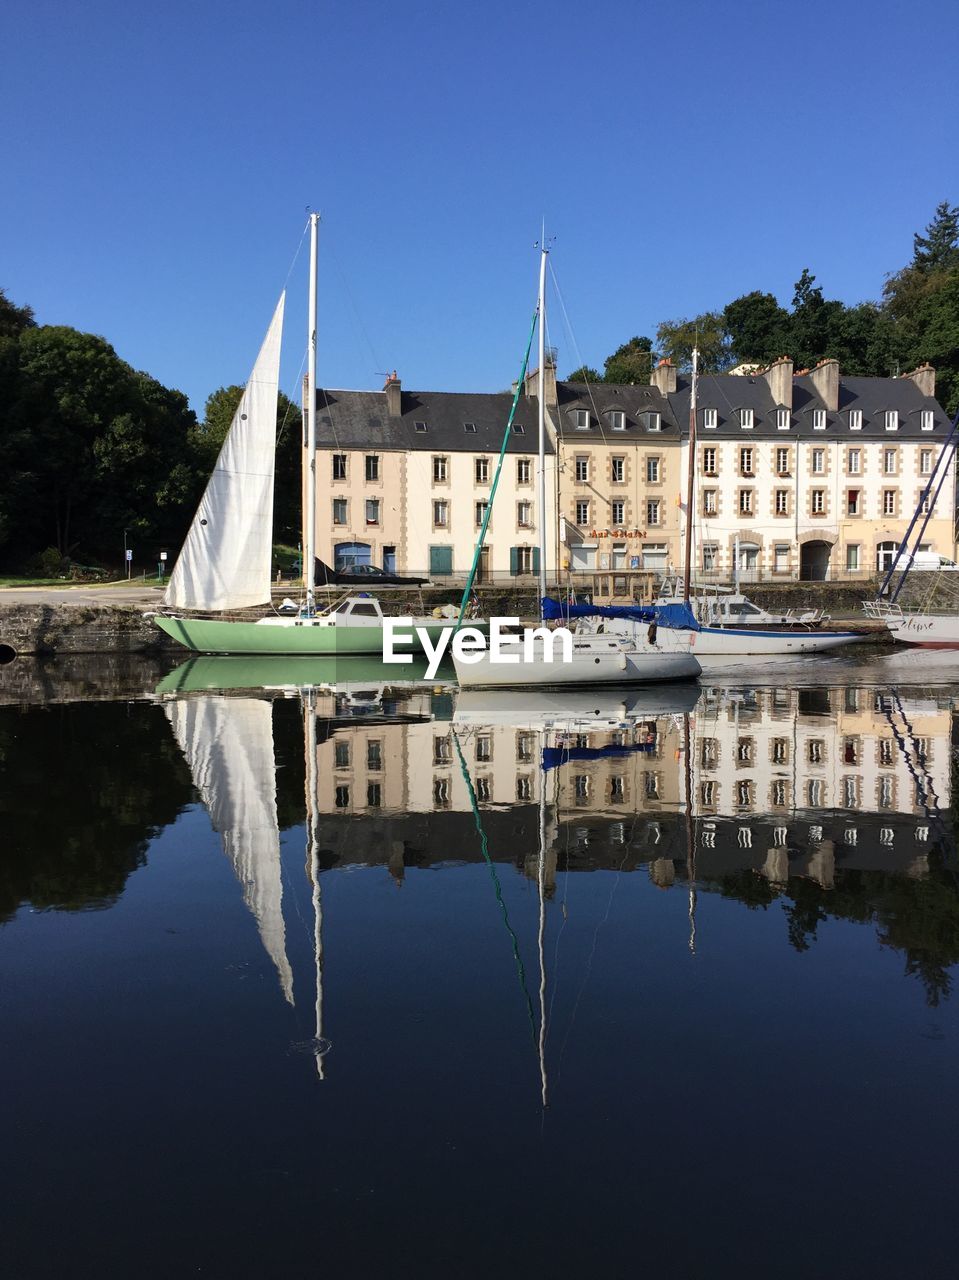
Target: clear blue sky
column 157, row 162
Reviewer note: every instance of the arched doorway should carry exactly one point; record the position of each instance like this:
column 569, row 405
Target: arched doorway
column 814, row 561
column 346, row 555
column 885, row 555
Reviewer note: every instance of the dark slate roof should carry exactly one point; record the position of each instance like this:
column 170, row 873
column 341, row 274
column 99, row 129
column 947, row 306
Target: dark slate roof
column 600, row 398
column 729, row 393
column 359, row 420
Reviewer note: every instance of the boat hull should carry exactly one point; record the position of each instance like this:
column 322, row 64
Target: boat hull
column 925, row 630
column 727, row 642
column 596, row 660
column 205, row 635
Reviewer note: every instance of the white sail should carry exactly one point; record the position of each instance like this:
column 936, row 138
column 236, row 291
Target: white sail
column 226, row 560
column 228, row 745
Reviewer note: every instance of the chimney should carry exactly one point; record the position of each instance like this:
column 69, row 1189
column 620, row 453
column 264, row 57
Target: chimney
column 664, row 377
column 779, row 375
column 925, row 379
column 394, row 397
column 825, row 378
column 531, row 385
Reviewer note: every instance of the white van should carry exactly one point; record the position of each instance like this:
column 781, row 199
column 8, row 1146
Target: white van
column 933, row 561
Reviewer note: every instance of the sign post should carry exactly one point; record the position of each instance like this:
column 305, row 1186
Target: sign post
column 129, row 554
column 161, row 567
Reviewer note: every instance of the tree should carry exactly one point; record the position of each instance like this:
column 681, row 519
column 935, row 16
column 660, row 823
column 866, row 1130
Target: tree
column 585, row 373
column 676, row 339
column 757, row 328
column 14, row 319
column 630, row 363
column 937, row 250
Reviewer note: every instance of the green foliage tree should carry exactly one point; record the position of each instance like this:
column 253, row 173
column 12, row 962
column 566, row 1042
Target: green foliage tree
column 937, row 250
column 676, row 339
column 14, row 319
column 757, row 328
column 585, row 373
column 630, row 363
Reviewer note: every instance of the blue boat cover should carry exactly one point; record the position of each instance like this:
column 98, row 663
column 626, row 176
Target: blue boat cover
column 554, row 757
column 677, row 616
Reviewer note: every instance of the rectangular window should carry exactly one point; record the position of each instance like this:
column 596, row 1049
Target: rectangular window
column 372, row 510
column 925, row 462
column 339, row 511
column 926, row 420
column 781, row 557
column 888, row 502
column 580, row 418
column 852, row 502
column 524, row 559
column 709, row 462
column 654, row 421
column 374, row 795
column 341, row 753
column 782, row 419
column 374, row 755
column 618, row 511
column 854, row 461
column 582, row 468
column 852, row 557
column 524, row 471
column 652, row 471
column 442, row 749
column 746, row 462
column 780, row 793
column 582, row 512
column 481, row 470
column 746, row 419
column 745, row 502
column 855, row 419
column 419, row 428
column 441, row 514
column 618, row 467
column 469, row 428
column 888, row 462
column 819, row 419
column 339, row 466
column 484, row 748
column 892, row 419
column 818, row 501
column 710, row 419
column 710, row 556
column 372, row 466
column 524, row 747
column 617, row 420
column 782, row 462
column 439, row 470
column 780, row 750
column 709, row 502
column 519, row 429
column 782, row 502
column 524, row 515
column 652, row 512
column 818, row 462
column 480, row 512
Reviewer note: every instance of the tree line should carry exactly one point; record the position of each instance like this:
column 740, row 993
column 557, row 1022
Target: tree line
column 916, row 320
column 95, row 454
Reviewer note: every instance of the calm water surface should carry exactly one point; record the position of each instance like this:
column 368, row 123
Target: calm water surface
column 390, row 981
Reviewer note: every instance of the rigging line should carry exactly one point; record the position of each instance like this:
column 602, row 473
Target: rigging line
column 291, row 402
column 484, row 850
column 579, row 355
column 297, row 254
column 351, row 304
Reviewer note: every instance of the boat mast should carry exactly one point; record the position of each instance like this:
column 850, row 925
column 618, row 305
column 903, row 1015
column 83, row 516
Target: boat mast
column 309, row 468
column 541, row 391
column 691, row 479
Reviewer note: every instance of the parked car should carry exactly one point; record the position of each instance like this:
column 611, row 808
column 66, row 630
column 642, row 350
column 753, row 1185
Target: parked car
column 368, row 575
column 932, row 560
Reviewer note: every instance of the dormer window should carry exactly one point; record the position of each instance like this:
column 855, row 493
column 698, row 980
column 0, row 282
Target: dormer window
column 420, row 428
column 580, row 419
column 819, row 419
column 469, row 428
column 855, row 419
column 926, row 420
column 710, row 419
column 746, row 419
column 653, row 421
column 892, row 419
column 782, row 419
column 519, row 429
column 617, row 419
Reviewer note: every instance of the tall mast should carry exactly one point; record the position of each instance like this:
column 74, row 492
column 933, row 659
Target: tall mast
column 541, row 478
column 309, row 469
column 313, row 859
column 691, row 479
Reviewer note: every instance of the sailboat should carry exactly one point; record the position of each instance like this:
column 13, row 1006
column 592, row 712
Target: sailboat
column 596, row 658
column 226, row 560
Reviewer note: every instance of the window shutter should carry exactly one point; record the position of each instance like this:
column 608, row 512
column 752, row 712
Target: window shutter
column 514, row 561
column 536, row 559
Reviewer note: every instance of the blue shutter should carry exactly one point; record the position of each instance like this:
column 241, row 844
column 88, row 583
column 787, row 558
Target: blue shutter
column 441, row 560
column 514, row 561
column 536, row 559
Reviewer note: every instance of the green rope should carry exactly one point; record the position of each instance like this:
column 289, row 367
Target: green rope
column 484, row 849
column 499, row 467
